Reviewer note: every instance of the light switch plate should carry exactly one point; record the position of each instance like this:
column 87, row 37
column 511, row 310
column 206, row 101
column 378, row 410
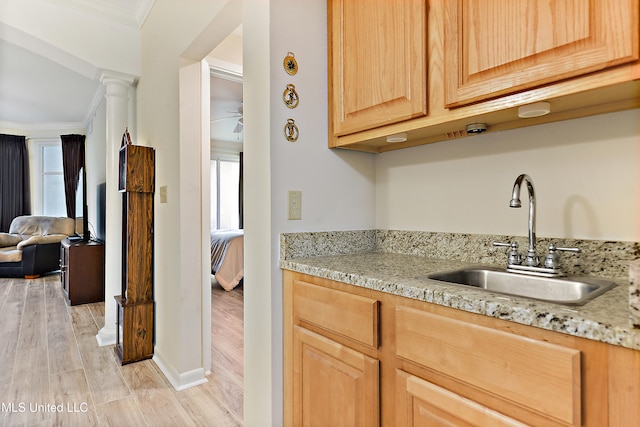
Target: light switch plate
column 295, row 205
column 163, row 194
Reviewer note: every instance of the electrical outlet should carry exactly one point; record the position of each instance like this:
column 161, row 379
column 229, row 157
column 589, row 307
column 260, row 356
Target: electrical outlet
column 295, row 205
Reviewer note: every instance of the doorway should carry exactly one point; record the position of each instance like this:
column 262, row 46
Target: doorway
column 226, row 223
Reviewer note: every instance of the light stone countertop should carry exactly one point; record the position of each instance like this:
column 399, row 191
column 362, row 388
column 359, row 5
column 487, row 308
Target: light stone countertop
column 605, row 318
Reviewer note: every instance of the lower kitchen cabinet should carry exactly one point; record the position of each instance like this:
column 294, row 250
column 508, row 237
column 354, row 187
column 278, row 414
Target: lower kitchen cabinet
column 501, row 364
column 332, row 351
column 356, row 356
column 337, row 385
column 421, row 403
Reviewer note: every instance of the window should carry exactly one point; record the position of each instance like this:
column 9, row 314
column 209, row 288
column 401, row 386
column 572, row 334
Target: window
column 50, row 186
column 225, row 181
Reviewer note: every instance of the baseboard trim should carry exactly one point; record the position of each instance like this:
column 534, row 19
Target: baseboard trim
column 106, row 336
column 180, row 381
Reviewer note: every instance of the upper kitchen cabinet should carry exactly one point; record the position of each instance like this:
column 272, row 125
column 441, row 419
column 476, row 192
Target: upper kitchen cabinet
column 498, row 47
column 430, row 68
column 377, row 62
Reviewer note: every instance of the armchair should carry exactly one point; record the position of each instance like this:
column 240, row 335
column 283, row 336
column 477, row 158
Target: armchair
column 32, row 246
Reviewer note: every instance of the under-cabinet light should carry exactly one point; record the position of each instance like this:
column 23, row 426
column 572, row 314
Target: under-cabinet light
column 397, row 137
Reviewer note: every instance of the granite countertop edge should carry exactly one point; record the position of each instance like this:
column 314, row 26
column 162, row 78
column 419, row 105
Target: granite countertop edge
column 604, row 319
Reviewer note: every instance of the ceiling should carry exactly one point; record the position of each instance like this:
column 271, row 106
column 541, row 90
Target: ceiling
column 226, row 88
column 37, row 92
column 40, row 93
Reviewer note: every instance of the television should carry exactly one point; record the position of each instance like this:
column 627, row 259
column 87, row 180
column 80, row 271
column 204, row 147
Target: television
column 82, row 218
column 101, row 213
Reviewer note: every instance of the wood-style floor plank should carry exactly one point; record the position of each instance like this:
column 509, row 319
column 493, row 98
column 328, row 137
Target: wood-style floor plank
column 121, row 412
column 10, row 320
column 103, row 374
column 64, row 354
column 33, row 331
column 30, row 378
column 51, row 360
column 70, row 389
column 156, row 399
column 197, row 402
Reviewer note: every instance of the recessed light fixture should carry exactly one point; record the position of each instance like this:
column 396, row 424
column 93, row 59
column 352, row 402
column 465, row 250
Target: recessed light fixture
column 475, row 128
column 397, row 137
column 536, row 109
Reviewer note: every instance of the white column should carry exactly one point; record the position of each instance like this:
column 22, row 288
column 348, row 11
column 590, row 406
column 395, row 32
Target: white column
column 117, row 96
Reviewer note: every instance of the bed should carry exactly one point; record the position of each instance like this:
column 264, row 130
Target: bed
column 227, row 257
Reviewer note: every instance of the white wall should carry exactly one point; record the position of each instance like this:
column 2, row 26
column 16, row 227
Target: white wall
column 586, row 174
column 337, row 186
column 95, row 155
column 169, row 31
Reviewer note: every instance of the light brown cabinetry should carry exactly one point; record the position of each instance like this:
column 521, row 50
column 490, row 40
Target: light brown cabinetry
column 332, row 383
column 377, row 62
column 336, row 384
column 500, row 363
column 499, row 47
column 433, row 365
column 421, row 403
column 483, row 60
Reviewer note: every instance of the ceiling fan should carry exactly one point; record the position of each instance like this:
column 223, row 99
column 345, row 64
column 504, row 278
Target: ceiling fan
column 233, row 115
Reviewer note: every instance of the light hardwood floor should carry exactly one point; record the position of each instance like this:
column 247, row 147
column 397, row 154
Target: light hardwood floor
column 53, row 373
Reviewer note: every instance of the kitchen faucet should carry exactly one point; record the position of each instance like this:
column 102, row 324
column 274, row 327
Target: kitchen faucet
column 531, row 265
column 531, row 259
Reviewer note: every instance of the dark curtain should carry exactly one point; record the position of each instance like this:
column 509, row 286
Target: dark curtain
column 241, row 194
column 72, row 163
column 14, row 179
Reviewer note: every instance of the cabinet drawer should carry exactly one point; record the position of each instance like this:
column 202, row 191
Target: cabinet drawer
column 534, row 374
column 351, row 316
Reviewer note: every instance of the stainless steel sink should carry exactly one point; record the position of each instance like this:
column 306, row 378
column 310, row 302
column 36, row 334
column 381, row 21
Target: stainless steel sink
column 563, row 290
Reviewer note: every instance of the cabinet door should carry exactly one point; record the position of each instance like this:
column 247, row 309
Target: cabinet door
column 496, row 47
column 333, row 384
column 377, row 62
column 500, row 363
column 421, row 403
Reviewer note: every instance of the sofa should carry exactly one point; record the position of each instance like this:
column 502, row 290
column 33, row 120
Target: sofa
column 32, row 245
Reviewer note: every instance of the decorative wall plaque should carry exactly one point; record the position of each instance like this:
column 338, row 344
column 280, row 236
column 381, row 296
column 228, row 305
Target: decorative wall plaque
column 291, row 131
column 290, row 96
column 290, row 64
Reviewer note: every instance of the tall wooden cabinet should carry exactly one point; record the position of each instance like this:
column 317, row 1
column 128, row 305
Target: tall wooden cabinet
column 135, row 305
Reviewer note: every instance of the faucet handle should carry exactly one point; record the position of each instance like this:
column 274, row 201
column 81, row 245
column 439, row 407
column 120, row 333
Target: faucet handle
column 514, row 256
column 552, row 259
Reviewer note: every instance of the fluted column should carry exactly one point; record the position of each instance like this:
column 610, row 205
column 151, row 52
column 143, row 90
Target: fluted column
column 117, row 98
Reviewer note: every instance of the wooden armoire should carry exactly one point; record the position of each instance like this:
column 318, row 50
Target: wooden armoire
column 135, row 331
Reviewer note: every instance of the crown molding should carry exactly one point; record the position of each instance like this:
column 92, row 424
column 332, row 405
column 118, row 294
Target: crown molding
column 224, row 70
column 26, row 127
column 130, row 13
